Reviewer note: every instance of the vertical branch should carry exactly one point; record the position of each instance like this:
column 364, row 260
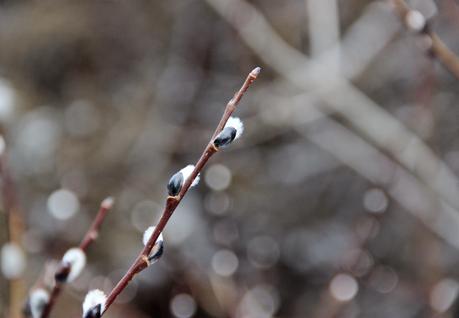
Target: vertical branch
column 172, row 202
column 15, row 229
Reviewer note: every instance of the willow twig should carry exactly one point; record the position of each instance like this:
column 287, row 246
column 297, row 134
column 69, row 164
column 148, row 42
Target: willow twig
column 93, row 232
column 142, row 261
column 89, row 237
column 435, row 45
column 15, row 228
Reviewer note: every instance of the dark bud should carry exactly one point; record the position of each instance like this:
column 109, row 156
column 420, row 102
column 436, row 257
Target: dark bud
column 225, row 137
column 62, row 272
column 175, row 184
column 94, row 312
column 157, row 255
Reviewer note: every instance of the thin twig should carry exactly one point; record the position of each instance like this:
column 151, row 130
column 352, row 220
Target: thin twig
column 15, row 229
column 142, row 261
column 436, row 46
column 93, row 232
column 88, row 238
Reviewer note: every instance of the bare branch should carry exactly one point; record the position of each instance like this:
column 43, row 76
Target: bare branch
column 172, row 202
column 15, row 228
column 63, row 270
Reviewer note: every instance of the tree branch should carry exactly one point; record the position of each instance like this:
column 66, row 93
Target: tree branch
column 172, row 202
column 15, row 229
column 435, row 45
column 89, row 237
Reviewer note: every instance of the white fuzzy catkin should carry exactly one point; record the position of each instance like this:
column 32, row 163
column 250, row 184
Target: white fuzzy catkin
column 415, row 20
column 13, row 261
column 77, row 260
column 186, row 172
column 237, row 124
column 92, row 299
column 148, row 233
column 38, row 300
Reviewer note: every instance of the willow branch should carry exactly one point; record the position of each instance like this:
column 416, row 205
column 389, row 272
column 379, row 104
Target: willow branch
column 172, row 202
column 89, row 237
column 93, row 232
column 15, row 229
column 435, row 45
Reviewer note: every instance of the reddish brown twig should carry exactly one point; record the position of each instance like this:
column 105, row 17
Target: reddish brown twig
column 435, row 45
column 93, row 231
column 88, row 238
column 142, row 261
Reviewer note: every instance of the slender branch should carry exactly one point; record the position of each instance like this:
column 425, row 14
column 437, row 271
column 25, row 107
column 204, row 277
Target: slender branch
column 15, row 228
column 89, row 237
column 435, row 45
column 141, row 261
column 93, row 232
column 55, row 292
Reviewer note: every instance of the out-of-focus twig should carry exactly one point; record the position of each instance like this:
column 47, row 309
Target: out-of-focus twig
column 324, row 30
column 15, row 229
column 414, row 20
column 88, row 238
column 172, row 202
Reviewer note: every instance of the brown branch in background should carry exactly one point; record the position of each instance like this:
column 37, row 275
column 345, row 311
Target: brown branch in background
column 93, row 231
column 64, row 269
column 172, row 202
column 415, row 21
column 15, row 229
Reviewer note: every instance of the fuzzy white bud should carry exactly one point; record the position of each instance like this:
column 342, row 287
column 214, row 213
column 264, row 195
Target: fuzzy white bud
column 77, row 260
column 38, row 300
column 236, row 123
column 13, row 262
column 158, row 248
column 94, row 298
column 148, row 233
column 415, row 20
column 187, row 171
column 176, row 182
column 107, row 203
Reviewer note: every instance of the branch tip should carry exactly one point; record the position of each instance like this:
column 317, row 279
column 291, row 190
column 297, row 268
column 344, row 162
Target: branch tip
column 255, row 72
column 107, row 203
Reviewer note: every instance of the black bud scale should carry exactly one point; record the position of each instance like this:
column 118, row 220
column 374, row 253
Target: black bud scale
column 175, row 184
column 94, row 312
column 225, row 137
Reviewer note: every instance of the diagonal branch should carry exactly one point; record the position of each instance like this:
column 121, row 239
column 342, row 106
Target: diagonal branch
column 172, row 202
column 90, row 236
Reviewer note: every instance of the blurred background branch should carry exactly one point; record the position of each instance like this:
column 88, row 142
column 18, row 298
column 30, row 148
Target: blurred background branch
column 13, row 257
